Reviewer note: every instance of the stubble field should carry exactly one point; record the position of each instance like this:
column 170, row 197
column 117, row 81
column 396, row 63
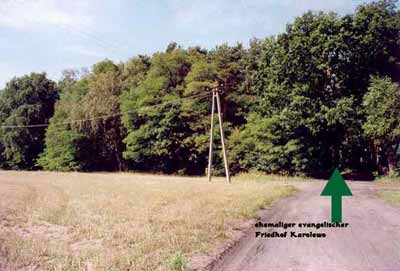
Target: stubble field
column 78, row 221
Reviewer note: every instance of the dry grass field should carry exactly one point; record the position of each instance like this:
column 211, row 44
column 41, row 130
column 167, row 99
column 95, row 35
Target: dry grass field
column 77, row 221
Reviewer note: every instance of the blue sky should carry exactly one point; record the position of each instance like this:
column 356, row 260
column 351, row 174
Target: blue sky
column 52, row 35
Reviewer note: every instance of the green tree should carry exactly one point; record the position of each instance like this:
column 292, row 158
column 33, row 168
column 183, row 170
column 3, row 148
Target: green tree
column 93, row 139
column 67, row 148
column 104, row 133
column 28, row 100
column 173, row 137
column 311, row 82
column 230, row 69
column 382, row 107
column 61, row 152
column 134, row 71
column 156, row 135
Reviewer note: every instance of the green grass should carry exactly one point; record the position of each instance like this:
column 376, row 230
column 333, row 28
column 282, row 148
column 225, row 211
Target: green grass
column 390, row 196
column 178, row 263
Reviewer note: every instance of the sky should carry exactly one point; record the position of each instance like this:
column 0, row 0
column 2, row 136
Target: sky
column 53, row 35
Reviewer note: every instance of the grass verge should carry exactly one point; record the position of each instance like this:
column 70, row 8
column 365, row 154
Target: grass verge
column 262, row 177
column 77, row 221
column 390, row 196
column 388, row 180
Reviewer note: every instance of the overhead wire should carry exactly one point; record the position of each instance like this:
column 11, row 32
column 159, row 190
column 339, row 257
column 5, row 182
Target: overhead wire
column 200, row 96
column 98, row 41
column 108, row 46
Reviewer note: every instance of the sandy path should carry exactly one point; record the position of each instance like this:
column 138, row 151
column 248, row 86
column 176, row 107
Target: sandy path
column 370, row 242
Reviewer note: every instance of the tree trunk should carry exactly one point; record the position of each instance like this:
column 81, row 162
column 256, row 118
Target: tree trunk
column 381, row 169
column 119, row 158
column 392, row 159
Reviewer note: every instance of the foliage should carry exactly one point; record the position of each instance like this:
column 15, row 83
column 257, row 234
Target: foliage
column 382, row 125
column 157, row 136
column 65, row 145
column 167, row 131
column 311, row 83
column 104, row 134
column 60, row 153
column 382, row 110
column 93, row 144
column 28, row 100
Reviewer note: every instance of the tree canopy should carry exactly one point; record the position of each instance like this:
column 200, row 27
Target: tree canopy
column 25, row 101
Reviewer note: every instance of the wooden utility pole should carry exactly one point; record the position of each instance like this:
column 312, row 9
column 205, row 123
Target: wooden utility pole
column 211, row 137
column 215, row 97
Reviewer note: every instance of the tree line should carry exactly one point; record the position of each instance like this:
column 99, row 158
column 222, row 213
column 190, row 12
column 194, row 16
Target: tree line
column 324, row 93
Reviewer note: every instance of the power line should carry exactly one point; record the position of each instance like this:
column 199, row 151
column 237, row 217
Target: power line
column 108, row 46
column 200, row 96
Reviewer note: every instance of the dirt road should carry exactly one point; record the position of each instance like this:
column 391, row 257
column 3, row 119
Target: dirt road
column 370, row 242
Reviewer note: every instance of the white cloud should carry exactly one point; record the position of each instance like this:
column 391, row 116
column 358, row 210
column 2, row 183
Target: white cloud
column 29, row 14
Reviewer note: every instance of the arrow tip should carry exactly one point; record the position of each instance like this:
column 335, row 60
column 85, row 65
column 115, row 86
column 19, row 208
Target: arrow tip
column 336, row 186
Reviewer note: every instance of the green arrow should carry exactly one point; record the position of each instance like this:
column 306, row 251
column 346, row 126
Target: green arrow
column 336, row 188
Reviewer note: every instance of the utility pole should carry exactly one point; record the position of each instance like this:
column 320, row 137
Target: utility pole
column 215, row 97
column 211, row 137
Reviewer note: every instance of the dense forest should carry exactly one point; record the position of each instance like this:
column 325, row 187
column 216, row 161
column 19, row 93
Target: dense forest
column 324, row 93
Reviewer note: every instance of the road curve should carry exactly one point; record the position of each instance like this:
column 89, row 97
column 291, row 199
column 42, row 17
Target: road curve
column 370, row 242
